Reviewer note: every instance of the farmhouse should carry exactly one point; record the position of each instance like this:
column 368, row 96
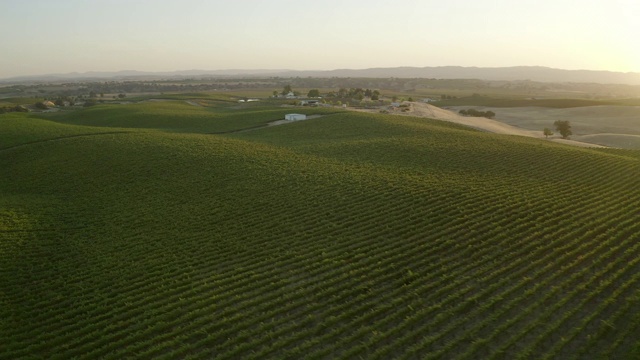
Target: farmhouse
column 295, row 117
column 312, row 102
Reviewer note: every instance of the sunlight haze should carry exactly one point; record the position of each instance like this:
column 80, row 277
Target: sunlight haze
column 44, row 37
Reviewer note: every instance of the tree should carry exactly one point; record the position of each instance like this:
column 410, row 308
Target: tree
column 564, row 128
column 547, row 132
column 287, row 89
column 313, row 93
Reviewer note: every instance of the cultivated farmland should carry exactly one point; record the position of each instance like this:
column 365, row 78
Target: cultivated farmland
column 133, row 231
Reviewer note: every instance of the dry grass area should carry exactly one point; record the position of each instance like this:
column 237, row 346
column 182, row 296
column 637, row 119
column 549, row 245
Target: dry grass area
column 612, row 126
column 480, row 123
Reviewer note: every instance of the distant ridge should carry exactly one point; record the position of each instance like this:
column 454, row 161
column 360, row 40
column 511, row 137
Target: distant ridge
column 135, row 74
column 532, row 73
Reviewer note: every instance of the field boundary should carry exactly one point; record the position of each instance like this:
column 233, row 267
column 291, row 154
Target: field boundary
column 63, row 138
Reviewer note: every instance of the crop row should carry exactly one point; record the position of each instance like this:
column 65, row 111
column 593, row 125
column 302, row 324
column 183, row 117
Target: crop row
column 249, row 250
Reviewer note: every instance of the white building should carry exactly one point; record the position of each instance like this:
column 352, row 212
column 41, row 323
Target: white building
column 295, row 117
column 312, row 102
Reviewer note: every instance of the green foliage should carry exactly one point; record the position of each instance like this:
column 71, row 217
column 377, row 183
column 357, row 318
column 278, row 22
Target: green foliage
column 41, row 105
column 177, row 116
column 313, row 93
column 473, row 112
column 547, row 132
column 563, row 127
column 351, row 235
column 287, row 89
column 90, row 102
column 16, row 108
column 19, row 129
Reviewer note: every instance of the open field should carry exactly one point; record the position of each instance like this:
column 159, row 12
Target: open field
column 615, row 126
column 130, row 231
column 478, row 123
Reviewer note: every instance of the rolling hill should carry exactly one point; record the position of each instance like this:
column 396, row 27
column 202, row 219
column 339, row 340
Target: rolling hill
column 133, row 231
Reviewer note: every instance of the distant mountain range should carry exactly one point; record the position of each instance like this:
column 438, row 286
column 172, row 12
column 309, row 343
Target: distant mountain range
column 533, row 73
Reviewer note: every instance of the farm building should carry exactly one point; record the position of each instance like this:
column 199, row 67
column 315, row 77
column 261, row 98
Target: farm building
column 313, row 102
column 295, row 117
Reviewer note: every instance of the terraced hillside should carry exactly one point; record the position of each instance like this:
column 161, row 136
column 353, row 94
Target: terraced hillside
column 348, row 236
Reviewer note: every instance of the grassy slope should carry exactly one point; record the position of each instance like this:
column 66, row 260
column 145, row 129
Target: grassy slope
column 21, row 128
column 351, row 235
column 615, row 126
column 176, row 116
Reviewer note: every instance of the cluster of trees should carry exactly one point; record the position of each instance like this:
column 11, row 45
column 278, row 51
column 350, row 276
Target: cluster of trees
column 99, row 89
column 447, row 97
column 41, row 105
column 288, row 89
column 17, row 108
column 562, row 126
column 355, row 94
column 473, row 112
column 90, row 100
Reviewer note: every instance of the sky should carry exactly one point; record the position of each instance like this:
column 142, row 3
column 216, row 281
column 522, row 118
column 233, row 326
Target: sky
column 61, row 36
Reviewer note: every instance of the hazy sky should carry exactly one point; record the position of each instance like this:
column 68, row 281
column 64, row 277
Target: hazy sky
column 60, row 36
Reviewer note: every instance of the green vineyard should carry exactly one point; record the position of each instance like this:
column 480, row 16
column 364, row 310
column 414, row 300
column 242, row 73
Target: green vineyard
column 154, row 230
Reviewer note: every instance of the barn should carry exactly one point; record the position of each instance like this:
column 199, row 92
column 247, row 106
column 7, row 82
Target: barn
column 295, row 117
